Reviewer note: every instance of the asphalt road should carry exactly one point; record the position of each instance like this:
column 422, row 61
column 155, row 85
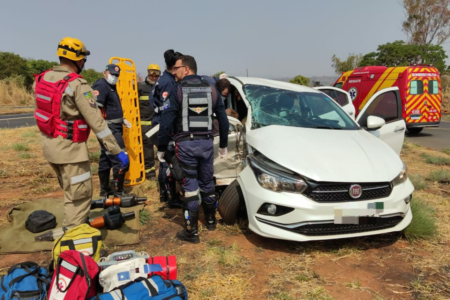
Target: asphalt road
column 436, row 138
column 14, row 121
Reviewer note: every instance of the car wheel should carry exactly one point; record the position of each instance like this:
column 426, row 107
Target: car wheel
column 414, row 130
column 231, row 204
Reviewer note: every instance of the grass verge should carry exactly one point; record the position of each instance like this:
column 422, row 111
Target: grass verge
column 423, row 224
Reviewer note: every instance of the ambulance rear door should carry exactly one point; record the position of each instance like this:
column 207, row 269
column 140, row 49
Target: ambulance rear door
column 340, row 96
column 353, row 87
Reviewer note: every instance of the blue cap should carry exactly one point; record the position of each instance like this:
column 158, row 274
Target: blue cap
column 113, row 69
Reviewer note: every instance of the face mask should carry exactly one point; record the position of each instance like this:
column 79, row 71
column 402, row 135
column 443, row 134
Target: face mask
column 112, row 79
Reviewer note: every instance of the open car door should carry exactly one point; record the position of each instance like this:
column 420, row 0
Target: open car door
column 387, row 105
column 340, row 96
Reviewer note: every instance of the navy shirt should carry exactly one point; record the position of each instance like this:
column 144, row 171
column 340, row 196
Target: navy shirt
column 108, row 99
column 161, row 91
column 169, row 118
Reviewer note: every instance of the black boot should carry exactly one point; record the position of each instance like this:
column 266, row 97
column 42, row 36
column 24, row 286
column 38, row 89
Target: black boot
column 209, row 210
column 119, row 179
column 174, row 197
column 105, row 189
column 190, row 233
column 162, row 192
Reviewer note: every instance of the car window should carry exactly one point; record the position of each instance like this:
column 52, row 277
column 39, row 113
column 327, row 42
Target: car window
column 416, row 87
column 384, row 106
column 339, row 85
column 433, row 87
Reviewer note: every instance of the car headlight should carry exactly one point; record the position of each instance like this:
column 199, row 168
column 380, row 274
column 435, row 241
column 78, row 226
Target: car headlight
column 402, row 176
column 272, row 179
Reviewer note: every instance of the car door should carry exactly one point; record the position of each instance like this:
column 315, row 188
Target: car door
column 340, row 96
column 387, row 105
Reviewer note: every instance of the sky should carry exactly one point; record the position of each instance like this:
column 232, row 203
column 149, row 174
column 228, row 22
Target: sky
column 269, row 38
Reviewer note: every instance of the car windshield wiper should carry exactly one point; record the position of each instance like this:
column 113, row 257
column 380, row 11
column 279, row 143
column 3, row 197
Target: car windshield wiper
column 327, row 127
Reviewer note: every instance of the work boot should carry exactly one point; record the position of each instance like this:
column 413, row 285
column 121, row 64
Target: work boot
column 162, row 192
column 190, row 233
column 119, row 179
column 209, row 210
column 174, row 197
column 150, row 175
column 105, row 189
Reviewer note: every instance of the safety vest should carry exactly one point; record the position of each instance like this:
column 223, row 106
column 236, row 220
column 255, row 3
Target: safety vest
column 196, row 107
column 48, row 102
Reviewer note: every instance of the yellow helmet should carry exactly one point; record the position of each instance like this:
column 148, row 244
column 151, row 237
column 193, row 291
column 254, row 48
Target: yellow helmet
column 154, row 69
column 72, row 49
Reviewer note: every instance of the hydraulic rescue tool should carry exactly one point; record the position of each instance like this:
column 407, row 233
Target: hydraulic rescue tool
column 128, row 200
column 112, row 219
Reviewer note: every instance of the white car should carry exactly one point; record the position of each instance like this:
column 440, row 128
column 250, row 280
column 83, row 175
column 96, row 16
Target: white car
column 300, row 168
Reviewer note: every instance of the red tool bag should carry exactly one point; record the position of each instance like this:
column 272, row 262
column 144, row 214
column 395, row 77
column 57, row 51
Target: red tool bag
column 75, row 277
column 168, row 264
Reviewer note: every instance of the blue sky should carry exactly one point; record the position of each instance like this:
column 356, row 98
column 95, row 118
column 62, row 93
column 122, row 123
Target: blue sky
column 272, row 39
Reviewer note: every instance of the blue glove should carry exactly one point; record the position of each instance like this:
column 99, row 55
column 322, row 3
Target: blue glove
column 123, row 157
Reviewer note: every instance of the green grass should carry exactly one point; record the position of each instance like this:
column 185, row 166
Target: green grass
column 20, row 147
column 423, row 224
column 441, row 176
column 25, row 155
column 418, row 181
column 144, row 217
column 446, row 151
column 95, row 156
column 28, row 134
column 282, row 296
column 94, row 169
column 436, row 160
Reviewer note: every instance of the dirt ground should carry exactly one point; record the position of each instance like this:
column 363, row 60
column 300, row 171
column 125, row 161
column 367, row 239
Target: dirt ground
column 234, row 263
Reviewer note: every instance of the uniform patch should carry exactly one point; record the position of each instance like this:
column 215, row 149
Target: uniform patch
column 166, row 106
column 198, row 109
column 96, row 93
column 165, row 95
column 90, row 98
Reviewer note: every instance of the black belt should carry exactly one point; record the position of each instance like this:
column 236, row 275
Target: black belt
column 194, row 137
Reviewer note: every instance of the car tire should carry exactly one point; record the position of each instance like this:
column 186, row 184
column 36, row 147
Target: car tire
column 232, row 204
column 415, row 130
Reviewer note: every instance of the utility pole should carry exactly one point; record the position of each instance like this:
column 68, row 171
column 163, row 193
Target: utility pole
column 247, row 72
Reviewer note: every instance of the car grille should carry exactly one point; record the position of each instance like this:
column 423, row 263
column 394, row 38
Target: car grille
column 339, row 192
column 368, row 224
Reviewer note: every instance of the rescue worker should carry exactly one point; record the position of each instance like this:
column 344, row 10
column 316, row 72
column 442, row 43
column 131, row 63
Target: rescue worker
column 161, row 91
column 189, row 115
column 65, row 113
column 111, row 109
column 146, row 112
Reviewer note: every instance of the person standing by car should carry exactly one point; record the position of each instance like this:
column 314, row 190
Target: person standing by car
column 189, row 115
column 66, row 129
column 109, row 102
column 160, row 93
column 146, row 113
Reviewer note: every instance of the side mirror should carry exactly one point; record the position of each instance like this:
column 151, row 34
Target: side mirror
column 374, row 123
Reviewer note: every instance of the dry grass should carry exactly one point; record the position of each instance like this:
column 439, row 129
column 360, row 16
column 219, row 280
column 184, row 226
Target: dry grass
column 8, row 110
column 12, row 93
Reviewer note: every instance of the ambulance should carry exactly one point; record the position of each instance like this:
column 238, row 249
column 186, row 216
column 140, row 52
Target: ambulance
column 419, row 86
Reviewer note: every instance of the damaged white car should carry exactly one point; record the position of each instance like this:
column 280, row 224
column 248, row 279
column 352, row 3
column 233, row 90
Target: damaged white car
column 300, row 168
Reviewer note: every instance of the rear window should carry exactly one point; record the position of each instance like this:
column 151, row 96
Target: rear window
column 339, row 85
column 433, row 87
column 416, row 87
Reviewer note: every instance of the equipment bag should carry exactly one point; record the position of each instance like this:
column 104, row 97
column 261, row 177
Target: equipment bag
column 75, row 277
column 25, row 281
column 168, row 265
column 82, row 238
column 154, row 288
column 40, row 220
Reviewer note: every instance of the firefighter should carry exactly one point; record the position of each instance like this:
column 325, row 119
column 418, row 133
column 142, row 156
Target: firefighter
column 189, row 115
column 66, row 112
column 111, row 109
column 146, row 112
column 161, row 92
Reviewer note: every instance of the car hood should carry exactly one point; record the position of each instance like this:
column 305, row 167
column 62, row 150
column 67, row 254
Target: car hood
column 326, row 154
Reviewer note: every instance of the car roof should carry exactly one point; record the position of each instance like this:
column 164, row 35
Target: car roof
column 274, row 84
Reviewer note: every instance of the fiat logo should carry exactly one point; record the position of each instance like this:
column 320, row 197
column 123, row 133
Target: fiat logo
column 355, row 191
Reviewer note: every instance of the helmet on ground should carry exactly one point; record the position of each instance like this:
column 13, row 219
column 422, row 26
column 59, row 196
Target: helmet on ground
column 72, row 49
column 154, row 69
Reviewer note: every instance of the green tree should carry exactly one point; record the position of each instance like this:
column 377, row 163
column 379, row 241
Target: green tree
column 399, row 53
column 349, row 64
column 91, row 75
column 40, row 65
column 301, row 80
column 218, row 73
column 12, row 65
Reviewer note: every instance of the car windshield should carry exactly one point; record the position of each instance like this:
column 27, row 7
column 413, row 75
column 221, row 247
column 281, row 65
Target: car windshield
column 271, row 106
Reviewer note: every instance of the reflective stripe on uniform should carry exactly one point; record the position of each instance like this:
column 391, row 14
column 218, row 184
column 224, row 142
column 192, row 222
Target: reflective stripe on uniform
column 82, row 126
column 151, row 169
column 82, row 241
column 198, row 101
column 103, row 133
column 123, row 150
column 115, row 121
column 43, row 97
column 68, row 91
column 68, row 266
column 80, row 178
column 146, row 122
column 41, row 116
column 99, row 104
column 198, row 124
column 143, row 98
column 191, row 194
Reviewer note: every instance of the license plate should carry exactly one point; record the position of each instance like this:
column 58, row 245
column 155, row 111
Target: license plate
column 359, row 215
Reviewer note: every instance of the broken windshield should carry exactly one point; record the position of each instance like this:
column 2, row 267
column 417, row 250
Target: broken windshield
column 272, row 106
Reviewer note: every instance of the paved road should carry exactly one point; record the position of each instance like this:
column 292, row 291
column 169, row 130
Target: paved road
column 433, row 137
column 14, row 121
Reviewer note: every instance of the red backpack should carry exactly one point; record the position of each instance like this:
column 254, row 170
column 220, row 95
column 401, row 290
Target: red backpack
column 75, row 277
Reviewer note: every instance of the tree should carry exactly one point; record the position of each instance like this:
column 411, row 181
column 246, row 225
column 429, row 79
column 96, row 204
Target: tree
column 40, row 65
column 218, row 74
column 301, row 80
column 427, row 21
column 12, row 65
column 91, row 75
column 349, row 64
column 399, row 53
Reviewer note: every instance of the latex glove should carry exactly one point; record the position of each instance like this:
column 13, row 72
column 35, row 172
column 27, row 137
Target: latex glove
column 123, row 157
column 126, row 123
column 223, row 75
column 161, row 156
column 223, row 152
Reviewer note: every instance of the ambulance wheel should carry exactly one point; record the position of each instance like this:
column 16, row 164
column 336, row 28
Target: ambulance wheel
column 232, row 204
column 415, row 130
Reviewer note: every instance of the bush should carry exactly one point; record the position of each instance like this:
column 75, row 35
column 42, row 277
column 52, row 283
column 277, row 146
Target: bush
column 436, row 160
column 446, row 151
column 441, row 176
column 423, row 224
column 95, row 156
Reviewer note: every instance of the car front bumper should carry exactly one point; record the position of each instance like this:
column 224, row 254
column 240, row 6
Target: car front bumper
column 310, row 220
